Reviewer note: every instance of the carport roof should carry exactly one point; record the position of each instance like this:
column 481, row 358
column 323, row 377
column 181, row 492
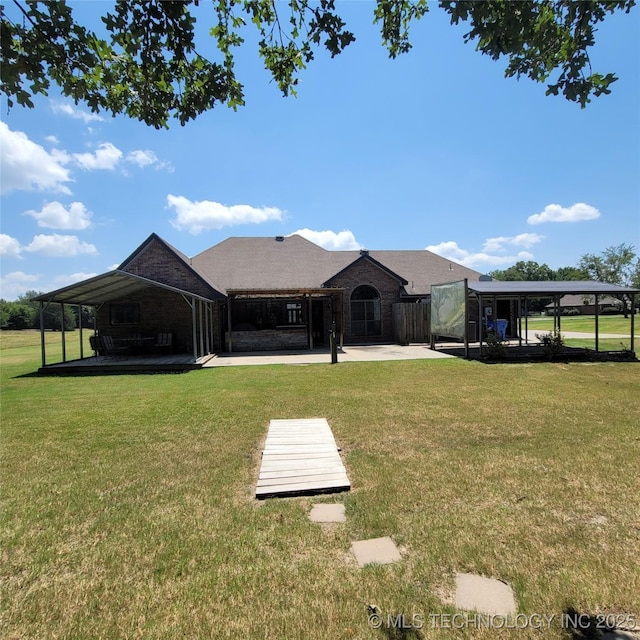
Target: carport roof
column 106, row 287
column 546, row 288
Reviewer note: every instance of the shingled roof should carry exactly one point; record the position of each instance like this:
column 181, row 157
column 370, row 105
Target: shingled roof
column 293, row 262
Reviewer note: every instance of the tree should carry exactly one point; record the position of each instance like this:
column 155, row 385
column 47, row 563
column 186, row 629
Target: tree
column 571, row 273
column 84, row 315
column 617, row 265
column 52, row 315
column 16, row 315
column 524, row 270
column 150, row 67
column 529, row 271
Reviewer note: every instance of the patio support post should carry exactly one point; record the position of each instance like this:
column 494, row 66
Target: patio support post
column 310, row 323
column 466, row 318
column 64, row 339
column 212, row 319
column 558, row 312
column 495, row 317
column 526, row 320
column 480, row 325
column 341, row 307
column 42, row 342
column 202, row 327
column 230, row 346
column 633, row 313
column 520, row 322
column 597, row 321
column 194, row 336
column 80, row 327
column 207, row 322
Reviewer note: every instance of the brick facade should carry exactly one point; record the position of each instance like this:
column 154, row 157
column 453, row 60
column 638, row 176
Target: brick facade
column 161, row 311
column 365, row 272
column 157, row 262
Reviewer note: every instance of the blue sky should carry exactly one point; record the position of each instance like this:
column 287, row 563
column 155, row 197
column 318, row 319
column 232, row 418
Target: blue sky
column 435, row 150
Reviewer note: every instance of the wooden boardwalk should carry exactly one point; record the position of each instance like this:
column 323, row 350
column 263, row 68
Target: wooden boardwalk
column 300, row 457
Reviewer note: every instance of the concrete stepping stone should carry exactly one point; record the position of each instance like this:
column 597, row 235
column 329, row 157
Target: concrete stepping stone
column 619, row 634
column 484, row 595
column 327, row 513
column 376, row 550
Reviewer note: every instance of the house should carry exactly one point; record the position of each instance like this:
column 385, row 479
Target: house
column 584, row 304
column 253, row 294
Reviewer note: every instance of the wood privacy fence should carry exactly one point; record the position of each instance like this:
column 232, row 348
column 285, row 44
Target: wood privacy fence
column 411, row 322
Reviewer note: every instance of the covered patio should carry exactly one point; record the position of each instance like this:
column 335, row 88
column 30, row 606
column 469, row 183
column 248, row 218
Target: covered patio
column 470, row 311
column 280, row 319
column 150, row 323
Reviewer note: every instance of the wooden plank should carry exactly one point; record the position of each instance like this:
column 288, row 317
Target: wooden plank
column 300, row 456
column 299, row 465
column 297, row 473
column 302, row 487
column 314, row 448
column 339, row 477
column 297, row 456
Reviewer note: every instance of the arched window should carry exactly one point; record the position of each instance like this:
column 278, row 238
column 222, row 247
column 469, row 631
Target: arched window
column 365, row 312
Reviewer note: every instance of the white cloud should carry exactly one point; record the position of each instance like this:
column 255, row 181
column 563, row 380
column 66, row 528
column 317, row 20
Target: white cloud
column 556, row 213
column 526, row 240
column 70, row 110
column 57, row 246
column 449, row 249
column 54, row 216
column 9, row 247
column 452, row 251
column 52, row 139
column 205, row 215
column 142, row 158
column 342, row 241
column 63, row 281
column 26, row 166
column 14, row 284
column 107, row 156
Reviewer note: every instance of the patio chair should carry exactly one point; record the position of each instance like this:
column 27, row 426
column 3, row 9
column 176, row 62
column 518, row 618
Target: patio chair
column 96, row 345
column 111, row 350
column 164, row 341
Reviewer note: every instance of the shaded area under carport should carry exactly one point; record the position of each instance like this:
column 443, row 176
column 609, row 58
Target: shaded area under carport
column 485, row 296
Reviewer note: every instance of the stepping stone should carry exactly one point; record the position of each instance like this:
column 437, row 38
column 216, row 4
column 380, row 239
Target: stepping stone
column 327, row 513
column 484, row 595
column 376, row 550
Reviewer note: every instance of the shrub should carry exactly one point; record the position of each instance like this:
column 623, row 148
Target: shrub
column 552, row 343
column 496, row 349
column 572, row 311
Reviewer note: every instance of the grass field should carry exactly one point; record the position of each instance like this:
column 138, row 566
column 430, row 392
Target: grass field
column 128, row 509
column 586, row 324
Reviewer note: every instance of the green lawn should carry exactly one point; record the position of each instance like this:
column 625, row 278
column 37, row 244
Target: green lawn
column 128, row 509
column 586, row 324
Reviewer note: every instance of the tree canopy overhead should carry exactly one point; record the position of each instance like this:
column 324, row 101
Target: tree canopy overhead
column 149, row 66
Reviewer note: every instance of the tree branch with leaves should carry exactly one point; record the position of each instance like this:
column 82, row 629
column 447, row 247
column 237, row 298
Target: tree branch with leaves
column 149, row 67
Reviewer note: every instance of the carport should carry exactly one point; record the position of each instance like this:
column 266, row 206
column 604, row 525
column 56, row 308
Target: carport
column 464, row 310
column 116, row 285
column 489, row 293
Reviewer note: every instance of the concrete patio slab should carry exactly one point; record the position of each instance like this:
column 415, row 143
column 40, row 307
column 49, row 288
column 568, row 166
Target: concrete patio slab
column 356, row 353
column 327, row 513
column 484, row 595
column 375, row 551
